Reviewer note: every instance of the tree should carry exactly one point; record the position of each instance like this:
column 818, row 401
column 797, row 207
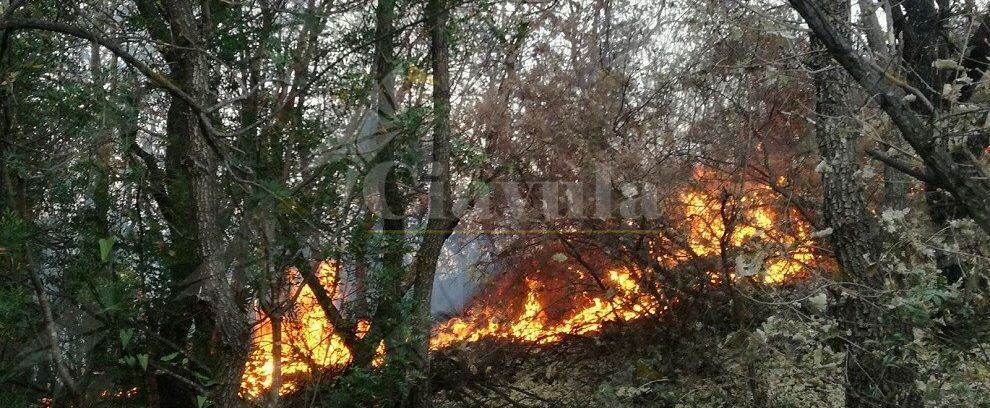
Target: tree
column 958, row 171
column 919, row 111
column 441, row 221
column 854, row 231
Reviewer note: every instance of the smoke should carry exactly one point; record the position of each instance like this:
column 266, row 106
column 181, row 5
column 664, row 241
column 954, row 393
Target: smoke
column 461, row 269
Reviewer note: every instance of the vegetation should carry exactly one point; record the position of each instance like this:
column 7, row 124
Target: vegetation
column 282, row 203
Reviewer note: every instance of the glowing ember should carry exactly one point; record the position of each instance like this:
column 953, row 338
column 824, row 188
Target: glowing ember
column 124, row 394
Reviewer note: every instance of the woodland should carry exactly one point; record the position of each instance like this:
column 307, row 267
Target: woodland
column 494, row 203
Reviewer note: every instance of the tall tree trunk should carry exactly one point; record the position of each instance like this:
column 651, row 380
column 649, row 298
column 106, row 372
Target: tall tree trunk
column 441, row 221
column 196, row 182
column 388, row 308
column 922, row 47
column 855, row 232
column 845, row 210
column 174, row 198
column 963, row 176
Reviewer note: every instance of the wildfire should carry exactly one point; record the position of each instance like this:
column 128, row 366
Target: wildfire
column 747, row 227
column 556, row 300
column 308, row 342
column 756, row 231
column 628, row 302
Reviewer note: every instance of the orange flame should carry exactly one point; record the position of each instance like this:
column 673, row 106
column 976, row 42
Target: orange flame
column 532, row 326
column 756, row 230
column 777, row 239
column 749, row 227
column 309, row 343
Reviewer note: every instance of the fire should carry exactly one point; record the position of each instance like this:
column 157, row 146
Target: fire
column 746, row 227
column 534, row 326
column 552, row 300
column 122, row 394
column 125, row 394
column 308, row 341
column 757, row 230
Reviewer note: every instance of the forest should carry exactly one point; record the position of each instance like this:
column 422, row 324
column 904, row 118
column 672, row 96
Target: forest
column 494, row 203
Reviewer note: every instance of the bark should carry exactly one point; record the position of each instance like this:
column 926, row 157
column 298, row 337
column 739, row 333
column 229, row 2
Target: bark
column 388, row 308
column 963, row 177
column 844, row 206
column 441, row 221
column 855, row 231
column 172, row 191
column 199, row 270
column 226, row 311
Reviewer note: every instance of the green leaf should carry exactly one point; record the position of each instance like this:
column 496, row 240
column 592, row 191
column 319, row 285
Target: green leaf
column 143, row 361
column 170, row 357
column 106, row 245
column 203, row 379
column 200, row 401
column 125, row 336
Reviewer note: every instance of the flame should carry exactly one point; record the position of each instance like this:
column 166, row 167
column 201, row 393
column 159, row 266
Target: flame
column 626, row 303
column 757, row 228
column 124, row 394
column 743, row 224
column 309, row 343
column 121, row 394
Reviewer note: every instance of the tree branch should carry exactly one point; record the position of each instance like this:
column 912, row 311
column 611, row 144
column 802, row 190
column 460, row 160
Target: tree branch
column 972, row 192
column 341, row 326
column 919, row 174
column 51, row 332
column 976, row 62
column 211, row 133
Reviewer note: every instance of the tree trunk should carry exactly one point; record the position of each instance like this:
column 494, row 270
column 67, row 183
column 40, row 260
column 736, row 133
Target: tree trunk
column 964, row 177
column 276, row 356
column 225, row 312
column 174, row 198
column 360, row 243
column 388, row 310
column 845, row 211
column 844, row 205
column 926, row 44
column 855, row 232
column 441, row 221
